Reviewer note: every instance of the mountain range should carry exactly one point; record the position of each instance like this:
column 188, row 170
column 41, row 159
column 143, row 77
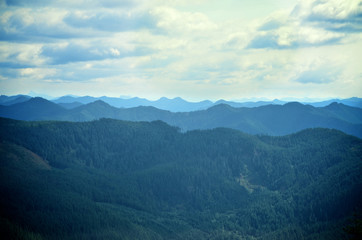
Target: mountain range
column 10, row 100
column 174, row 105
column 267, row 119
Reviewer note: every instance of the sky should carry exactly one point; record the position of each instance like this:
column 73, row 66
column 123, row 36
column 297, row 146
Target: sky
column 194, row 49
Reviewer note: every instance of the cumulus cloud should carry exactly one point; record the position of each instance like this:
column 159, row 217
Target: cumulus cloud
column 289, row 37
column 77, row 52
column 36, row 25
column 62, row 54
column 37, row 72
column 334, row 15
column 317, row 76
column 182, row 47
column 69, row 3
column 174, row 21
column 274, row 21
column 20, row 55
column 311, row 23
column 113, row 21
column 29, row 72
column 328, row 9
column 25, row 3
column 48, row 23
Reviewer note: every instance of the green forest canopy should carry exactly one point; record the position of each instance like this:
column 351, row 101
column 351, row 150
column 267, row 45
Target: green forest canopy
column 112, row 179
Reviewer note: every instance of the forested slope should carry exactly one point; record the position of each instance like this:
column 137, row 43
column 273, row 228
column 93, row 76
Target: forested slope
column 111, row 179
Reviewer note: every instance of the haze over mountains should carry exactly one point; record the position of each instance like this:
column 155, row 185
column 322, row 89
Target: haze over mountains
column 268, row 119
column 174, row 105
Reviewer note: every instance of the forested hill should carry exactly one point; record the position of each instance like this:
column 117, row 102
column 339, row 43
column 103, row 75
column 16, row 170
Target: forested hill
column 111, row 179
column 269, row 119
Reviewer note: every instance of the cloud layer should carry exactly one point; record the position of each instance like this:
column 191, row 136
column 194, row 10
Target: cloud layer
column 195, row 50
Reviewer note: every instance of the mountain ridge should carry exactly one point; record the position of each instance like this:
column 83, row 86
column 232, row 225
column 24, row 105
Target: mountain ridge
column 176, row 104
column 266, row 119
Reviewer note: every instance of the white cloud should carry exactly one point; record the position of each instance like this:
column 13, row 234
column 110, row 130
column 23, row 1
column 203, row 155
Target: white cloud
column 310, row 35
column 37, row 73
column 115, row 52
column 174, row 21
column 335, row 9
column 21, row 54
column 333, row 15
column 180, row 48
column 311, row 23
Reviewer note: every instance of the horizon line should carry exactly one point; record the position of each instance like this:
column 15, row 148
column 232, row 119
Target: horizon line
column 241, row 100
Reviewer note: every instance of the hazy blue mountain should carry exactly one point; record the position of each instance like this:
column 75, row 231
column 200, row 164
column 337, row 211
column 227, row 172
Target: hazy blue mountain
column 249, row 103
column 180, row 105
column 273, row 119
column 262, row 103
column 353, row 102
column 267, row 119
column 35, row 94
column 125, row 103
column 70, row 105
column 10, row 100
column 174, row 105
column 111, row 179
column 33, row 109
column 91, row 111
column 100, row 109
column 71, row 99
column 343, row 112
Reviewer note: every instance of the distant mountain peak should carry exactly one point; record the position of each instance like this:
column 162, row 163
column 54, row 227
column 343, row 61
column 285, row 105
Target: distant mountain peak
column 335, row 104
column 163, row 99
column 99, row 103
column 221, row 106
column 179, row 99
column 39, row 100
column 294, row 104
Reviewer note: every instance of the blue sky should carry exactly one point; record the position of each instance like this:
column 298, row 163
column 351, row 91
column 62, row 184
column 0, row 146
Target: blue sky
column 199, row 49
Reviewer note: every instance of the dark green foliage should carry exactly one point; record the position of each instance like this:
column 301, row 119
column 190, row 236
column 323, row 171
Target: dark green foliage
column 354, row 229
column 111, row 179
